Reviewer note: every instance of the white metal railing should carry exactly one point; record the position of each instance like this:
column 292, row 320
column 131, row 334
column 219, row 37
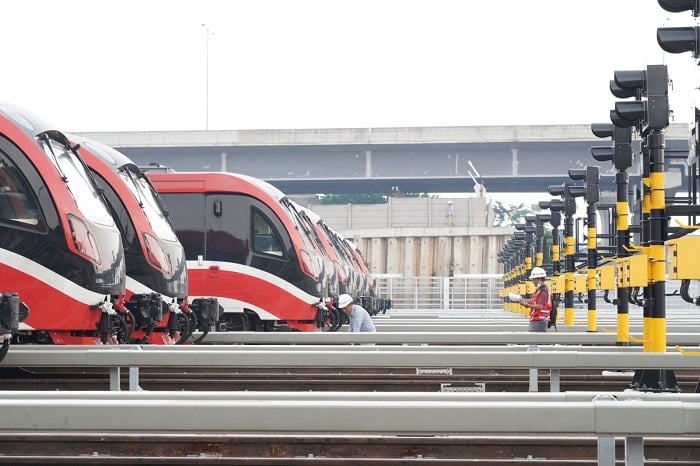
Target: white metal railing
column 467, row 291
column 480, row 291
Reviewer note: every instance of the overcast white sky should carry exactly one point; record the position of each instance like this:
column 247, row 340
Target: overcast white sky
column 141, row 65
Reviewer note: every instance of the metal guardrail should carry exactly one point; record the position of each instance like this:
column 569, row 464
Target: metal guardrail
column 135, row 357
column 606, row 416
column 468, row 291
column 477, row 336
column 452, row 414
column 528, row 357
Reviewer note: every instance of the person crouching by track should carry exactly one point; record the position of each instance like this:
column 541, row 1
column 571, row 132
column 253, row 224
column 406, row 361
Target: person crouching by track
column 360, row 320
column 541, row 302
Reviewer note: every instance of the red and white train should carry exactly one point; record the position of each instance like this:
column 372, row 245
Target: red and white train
column 156, row 306
column 246, row 246
column 60, row 248
column 88, row 244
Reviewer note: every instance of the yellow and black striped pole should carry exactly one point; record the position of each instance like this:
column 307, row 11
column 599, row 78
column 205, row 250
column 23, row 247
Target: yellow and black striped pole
column 592, row 264
column 658, row 229
column 623, row 244
column 621, row 156
column 569, row 204
column 591, row 176
column 555, row 220
column 569, row 259
column 644, row 241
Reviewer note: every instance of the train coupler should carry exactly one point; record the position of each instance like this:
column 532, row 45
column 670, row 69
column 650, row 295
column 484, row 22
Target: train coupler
column 12, row 312
column 147, row 308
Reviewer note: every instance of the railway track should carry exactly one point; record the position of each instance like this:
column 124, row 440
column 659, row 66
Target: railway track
column 104, row 448
column 319, row 379
column 165, row 446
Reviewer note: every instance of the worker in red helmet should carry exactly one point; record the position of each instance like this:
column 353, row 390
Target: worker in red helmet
column 541, row 302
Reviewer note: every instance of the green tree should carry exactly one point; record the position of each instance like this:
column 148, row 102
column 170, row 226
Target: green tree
column 358, row 198
column 507, row 215
column 366, row 198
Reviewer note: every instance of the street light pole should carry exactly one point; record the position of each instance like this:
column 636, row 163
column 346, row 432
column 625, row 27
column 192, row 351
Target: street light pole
column 207, row 83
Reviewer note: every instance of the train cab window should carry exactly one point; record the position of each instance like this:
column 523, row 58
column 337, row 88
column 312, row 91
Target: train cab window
column 149, row 201
column 78, row 182
column 265, row 237
column 119, row 210
column 303, row 229
column 18, row 206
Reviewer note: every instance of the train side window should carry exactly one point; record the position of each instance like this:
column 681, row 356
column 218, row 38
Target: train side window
column 187, row 217
column 18, row 206
column 266, row 240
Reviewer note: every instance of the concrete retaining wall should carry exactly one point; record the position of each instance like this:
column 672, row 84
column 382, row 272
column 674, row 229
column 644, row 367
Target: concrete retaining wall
column 410, row 236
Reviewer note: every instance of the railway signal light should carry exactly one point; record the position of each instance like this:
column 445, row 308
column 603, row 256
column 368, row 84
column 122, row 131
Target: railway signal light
column 568, row 192
column 649, row 114
column 544, row 217
column 571, row 192
column 678, row 6
column 630, row 111
column 679, row 39
column 539, row 224
column 630, row 80
column 621, row 92
column 623, row 148
column 620, row 122
column 603, row 153
column 554, row 205
column 602, row 130
column 591, row 176
column 556, row 190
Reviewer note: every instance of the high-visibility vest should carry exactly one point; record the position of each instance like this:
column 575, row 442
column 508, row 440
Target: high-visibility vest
column 541, row 314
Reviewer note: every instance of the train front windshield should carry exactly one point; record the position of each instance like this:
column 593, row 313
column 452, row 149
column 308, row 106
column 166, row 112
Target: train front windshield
column 78, row 182
column 142, row 190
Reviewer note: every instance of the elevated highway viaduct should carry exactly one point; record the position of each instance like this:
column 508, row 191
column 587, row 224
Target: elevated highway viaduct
column 427, row 159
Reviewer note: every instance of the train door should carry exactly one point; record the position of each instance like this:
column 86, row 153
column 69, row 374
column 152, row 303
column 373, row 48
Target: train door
column 187, row 214
column 240, row 239
column 242, row 230
column 226, row 228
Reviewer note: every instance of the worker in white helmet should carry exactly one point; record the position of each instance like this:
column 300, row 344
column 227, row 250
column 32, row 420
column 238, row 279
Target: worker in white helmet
column 360, row 320
column 541, row 302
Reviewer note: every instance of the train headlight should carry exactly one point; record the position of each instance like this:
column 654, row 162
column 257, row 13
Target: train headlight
column 83, row 239
column 308, row 265
column 155, row 254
